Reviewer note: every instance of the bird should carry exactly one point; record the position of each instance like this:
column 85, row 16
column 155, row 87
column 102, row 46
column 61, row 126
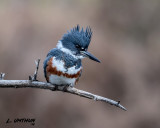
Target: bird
column 62, row 65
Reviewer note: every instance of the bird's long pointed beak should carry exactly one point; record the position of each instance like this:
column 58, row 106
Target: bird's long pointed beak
column 89, row 55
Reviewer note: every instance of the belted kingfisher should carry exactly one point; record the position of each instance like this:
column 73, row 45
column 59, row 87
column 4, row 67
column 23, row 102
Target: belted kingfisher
column 62, row 65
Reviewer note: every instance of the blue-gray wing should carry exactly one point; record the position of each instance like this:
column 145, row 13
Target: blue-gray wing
column 50, row 54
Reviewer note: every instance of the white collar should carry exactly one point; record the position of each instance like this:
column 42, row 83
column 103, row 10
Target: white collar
column 67, row 51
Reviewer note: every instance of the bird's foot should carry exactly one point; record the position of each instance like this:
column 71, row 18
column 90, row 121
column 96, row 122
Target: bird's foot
column 66, row 87
column 55, row 88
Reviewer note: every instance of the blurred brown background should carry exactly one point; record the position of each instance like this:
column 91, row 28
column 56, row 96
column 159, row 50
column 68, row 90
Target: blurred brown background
column 126, row 38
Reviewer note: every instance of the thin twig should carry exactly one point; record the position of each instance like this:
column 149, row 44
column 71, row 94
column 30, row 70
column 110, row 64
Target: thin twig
column 36, row 71
column 2, row 75
column 44, row 85
column 34, row 77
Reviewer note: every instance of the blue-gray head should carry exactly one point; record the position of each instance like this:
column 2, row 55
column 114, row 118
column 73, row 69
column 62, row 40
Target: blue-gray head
column 76, row 42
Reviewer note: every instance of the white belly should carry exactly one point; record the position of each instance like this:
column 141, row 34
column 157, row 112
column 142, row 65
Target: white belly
column 61, row 80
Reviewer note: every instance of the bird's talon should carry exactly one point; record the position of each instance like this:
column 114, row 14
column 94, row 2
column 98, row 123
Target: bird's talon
column 66, row 87
column 55, row 88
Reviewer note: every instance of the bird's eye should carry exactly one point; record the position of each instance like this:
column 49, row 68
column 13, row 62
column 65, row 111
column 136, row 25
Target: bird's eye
column 77, row 46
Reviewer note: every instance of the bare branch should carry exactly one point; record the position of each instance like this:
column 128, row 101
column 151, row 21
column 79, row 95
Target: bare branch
column 44, row 85
column 33, row 83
